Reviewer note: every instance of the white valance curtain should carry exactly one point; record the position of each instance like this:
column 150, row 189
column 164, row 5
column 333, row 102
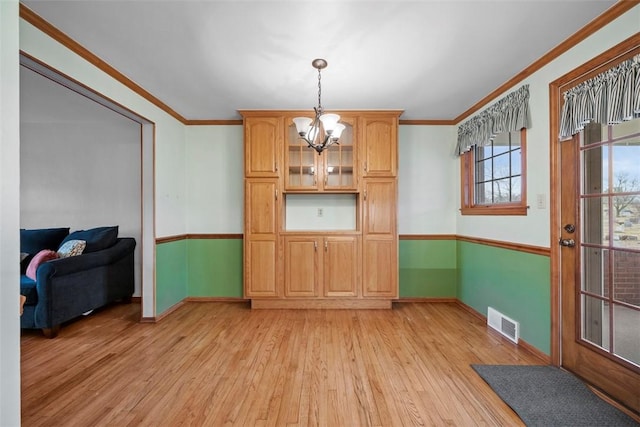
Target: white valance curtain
column 609, row 98
column 509, row 114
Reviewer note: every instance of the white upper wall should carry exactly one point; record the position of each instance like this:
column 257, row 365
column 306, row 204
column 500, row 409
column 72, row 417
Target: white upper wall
column 534, row 229
column 215, row 179
column 427, row 191
column 170, row 189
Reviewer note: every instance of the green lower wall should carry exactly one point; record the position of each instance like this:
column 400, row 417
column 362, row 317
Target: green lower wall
column 214, row 268
column 171, row 274
column 513, row 282
column 427, row 269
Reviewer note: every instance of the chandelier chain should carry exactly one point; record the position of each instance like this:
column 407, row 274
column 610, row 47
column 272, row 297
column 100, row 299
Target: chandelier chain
column 319, row 92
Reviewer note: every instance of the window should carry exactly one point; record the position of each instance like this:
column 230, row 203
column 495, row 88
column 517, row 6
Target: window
column 494, row 176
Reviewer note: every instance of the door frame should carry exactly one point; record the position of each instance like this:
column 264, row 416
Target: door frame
column 147, row 174
column 618, row 53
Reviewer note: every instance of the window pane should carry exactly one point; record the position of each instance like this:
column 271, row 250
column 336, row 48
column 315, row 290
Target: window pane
column 483, row 193
column 516, row 162
column 502, row 191
column 516, row 186
column 483, row 153
column 484, row 171
column 625, row 221
column 501, row 166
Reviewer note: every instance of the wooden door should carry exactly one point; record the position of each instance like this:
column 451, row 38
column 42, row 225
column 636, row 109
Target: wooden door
column 378, row 136
column 341, row 266
column 600, row 259
column 262, row 141
column 302, row 256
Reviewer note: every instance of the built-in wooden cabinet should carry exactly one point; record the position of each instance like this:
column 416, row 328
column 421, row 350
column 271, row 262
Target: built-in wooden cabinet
column 324, row 268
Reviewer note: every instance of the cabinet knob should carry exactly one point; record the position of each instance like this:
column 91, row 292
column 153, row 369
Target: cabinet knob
column 326, row 246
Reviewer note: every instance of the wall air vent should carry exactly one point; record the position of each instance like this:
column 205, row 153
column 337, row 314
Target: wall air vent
column 501, row 323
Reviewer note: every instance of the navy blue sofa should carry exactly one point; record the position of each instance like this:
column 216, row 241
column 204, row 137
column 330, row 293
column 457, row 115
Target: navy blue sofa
column 66, row 288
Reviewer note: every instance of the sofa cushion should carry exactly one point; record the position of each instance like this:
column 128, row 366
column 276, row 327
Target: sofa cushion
column 28, row 289
column 71, row 248
column 96, row 239
column 42, row 256
column 33, row 241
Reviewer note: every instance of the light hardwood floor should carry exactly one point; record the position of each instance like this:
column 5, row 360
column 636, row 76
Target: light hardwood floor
column 214, row 364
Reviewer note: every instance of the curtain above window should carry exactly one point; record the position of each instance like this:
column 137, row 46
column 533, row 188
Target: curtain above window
column 509, row 114
column 609, row 98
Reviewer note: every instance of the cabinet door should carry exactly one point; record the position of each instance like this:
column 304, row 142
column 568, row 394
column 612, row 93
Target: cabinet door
column 379, row 196
column 380, row 240
column 262, row 142
column 261, row 258
column 341, row 266
column 339, row 160
column 261, row 206
column 379, row 139
column 380, row 267
column 301, row 162
column 301, row 256
column 260, row 267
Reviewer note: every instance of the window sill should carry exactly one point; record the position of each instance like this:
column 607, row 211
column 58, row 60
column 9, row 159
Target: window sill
column 495, row 210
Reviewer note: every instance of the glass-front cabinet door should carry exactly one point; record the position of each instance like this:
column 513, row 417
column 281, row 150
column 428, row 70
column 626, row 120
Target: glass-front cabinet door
column 301, row 171
column 331, row 170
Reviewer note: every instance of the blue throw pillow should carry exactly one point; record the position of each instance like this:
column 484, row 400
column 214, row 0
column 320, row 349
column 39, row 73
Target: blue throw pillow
column 33, row 241
column 97, row 238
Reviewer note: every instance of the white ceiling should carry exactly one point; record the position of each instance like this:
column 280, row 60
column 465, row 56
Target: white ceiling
column 207, row 59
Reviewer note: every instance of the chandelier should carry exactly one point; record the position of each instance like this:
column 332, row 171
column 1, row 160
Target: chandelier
column 309, row 129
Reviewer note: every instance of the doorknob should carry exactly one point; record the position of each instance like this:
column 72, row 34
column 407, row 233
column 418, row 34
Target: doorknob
column 567, row 242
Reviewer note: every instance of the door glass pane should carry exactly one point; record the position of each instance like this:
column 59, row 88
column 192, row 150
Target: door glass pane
column 626, row 229
column 594, row 270
column 595, row 217
column 626, row 342
column 595, row 321
column 595, row 166
column 626, row 278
